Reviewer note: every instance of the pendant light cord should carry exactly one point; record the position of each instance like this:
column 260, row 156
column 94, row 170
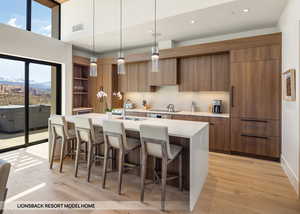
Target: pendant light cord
column 94, row 27
column 155, row 33
column 121, row 27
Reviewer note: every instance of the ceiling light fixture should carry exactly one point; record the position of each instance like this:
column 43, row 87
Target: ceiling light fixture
column 155, row 51
column 93, row 59
column 246, row 10
column 121, row 59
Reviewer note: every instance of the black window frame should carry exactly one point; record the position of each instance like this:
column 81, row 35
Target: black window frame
column 27, row 62
column 29, row 16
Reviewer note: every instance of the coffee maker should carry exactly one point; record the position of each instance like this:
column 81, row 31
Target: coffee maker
column 217, row 106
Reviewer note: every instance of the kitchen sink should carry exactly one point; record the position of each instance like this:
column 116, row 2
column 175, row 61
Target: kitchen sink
column 133, row 118
column 162, row 110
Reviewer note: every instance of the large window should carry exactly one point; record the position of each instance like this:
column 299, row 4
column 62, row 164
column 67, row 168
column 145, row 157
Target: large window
column 41, row 19
column 28, row 95
column 38, row 16
column 13, row 13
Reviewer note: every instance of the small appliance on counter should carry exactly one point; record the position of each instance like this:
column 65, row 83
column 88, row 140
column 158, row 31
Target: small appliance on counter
column 129, row 104
column 217, row 106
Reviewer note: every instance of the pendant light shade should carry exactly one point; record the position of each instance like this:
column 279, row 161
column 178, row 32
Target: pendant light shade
column 121, row 58
column 155, row 59
column 93, row 67
column 155, row 51
column 121, row 64
column 93, row 60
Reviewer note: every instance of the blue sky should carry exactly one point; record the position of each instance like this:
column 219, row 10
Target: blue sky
column 13, row 12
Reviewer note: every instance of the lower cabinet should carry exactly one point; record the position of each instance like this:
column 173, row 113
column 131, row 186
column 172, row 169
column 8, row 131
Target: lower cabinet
column 256, row 137
column 219, row 131
column 219, row 134
column 136, row 114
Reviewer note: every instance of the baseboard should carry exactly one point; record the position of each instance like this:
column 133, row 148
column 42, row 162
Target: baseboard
column 291, row 175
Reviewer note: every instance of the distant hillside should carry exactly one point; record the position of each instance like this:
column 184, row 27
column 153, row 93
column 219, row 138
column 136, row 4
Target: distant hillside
column 32, row 84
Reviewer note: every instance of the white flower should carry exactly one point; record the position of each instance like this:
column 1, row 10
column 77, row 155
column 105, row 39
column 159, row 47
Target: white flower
column 118, row 94
column 101, row 94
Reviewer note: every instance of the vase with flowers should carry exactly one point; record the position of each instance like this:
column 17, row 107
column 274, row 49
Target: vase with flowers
column 102, row 96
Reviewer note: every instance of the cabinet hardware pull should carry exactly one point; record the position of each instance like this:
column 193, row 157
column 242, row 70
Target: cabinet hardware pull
column 253, row 120
column 254, row 136
column 232, row 101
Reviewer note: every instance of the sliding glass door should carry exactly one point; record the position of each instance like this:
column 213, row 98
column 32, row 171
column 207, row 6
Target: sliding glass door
column 12, row 103
column 29, row 93
column 40, row 105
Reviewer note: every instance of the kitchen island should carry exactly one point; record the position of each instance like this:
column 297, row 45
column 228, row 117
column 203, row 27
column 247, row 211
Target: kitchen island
column 194, row 136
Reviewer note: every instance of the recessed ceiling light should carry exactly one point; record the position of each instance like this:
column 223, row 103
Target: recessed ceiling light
column 246, row 10
column 192, row 21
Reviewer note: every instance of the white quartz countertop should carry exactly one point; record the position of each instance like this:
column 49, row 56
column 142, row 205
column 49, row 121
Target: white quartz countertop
column 177, row 128
column 203, row 114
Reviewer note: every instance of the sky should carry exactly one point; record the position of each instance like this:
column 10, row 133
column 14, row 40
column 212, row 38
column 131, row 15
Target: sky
column 13, row 13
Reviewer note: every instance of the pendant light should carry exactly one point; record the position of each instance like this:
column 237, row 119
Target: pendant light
column 121, row 59
column 155, row 51
column 93, row 60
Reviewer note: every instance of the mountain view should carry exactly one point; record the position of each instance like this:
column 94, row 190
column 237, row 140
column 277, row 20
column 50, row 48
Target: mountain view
column 33, row 84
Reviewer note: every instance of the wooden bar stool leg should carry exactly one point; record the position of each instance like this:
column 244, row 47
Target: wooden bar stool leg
column 52, row 152
column 90, row 157
column 154, row 170
column 144, row 158
column 121, row 162
column 180, row 172
column 77, row 157
column 106, row 150
column 62, row 154
column 164, row 168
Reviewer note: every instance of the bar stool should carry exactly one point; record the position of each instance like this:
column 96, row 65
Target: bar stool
column 115, row 137
column 155, row 142
column 4, row 173
column 86, row 134
column 61, row 133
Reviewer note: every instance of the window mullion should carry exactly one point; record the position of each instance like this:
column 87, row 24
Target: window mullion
column 28, row 14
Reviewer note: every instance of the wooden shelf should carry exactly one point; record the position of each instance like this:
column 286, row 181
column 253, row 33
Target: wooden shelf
column 80, row 93
column 81, row 78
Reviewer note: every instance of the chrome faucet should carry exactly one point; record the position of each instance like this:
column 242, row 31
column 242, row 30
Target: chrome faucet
column 171, row 108
column 124, row 109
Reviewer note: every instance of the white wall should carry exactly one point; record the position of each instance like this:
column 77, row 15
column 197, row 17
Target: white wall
column 204, row 40
column 18, row 42
column 289, row 24
column 181, row 100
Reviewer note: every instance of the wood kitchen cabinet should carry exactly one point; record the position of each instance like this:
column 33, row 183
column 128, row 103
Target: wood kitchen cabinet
column 256, row 101
column 258, row 137
column 195, row 73
column 167, row 74
column 136, row 78
column 256, row 89
column 219, row 134
column 219, row 131
column 132, row 70
column 220, row 72
column 205, row 73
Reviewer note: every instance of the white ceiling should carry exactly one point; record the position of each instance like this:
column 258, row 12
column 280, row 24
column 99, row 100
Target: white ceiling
column 212, row 18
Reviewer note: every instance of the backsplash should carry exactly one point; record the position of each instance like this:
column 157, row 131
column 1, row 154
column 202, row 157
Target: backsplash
column 182, row 100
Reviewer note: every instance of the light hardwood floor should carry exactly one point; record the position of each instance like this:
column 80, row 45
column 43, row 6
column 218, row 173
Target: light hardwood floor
column 234, row 185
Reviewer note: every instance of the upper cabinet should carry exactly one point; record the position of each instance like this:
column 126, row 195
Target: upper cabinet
column 195, row 73
column 220, row 72
column 167, row 74
column 272, row 52
column 136, row 78
column 256, row 83
column 204, row 73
